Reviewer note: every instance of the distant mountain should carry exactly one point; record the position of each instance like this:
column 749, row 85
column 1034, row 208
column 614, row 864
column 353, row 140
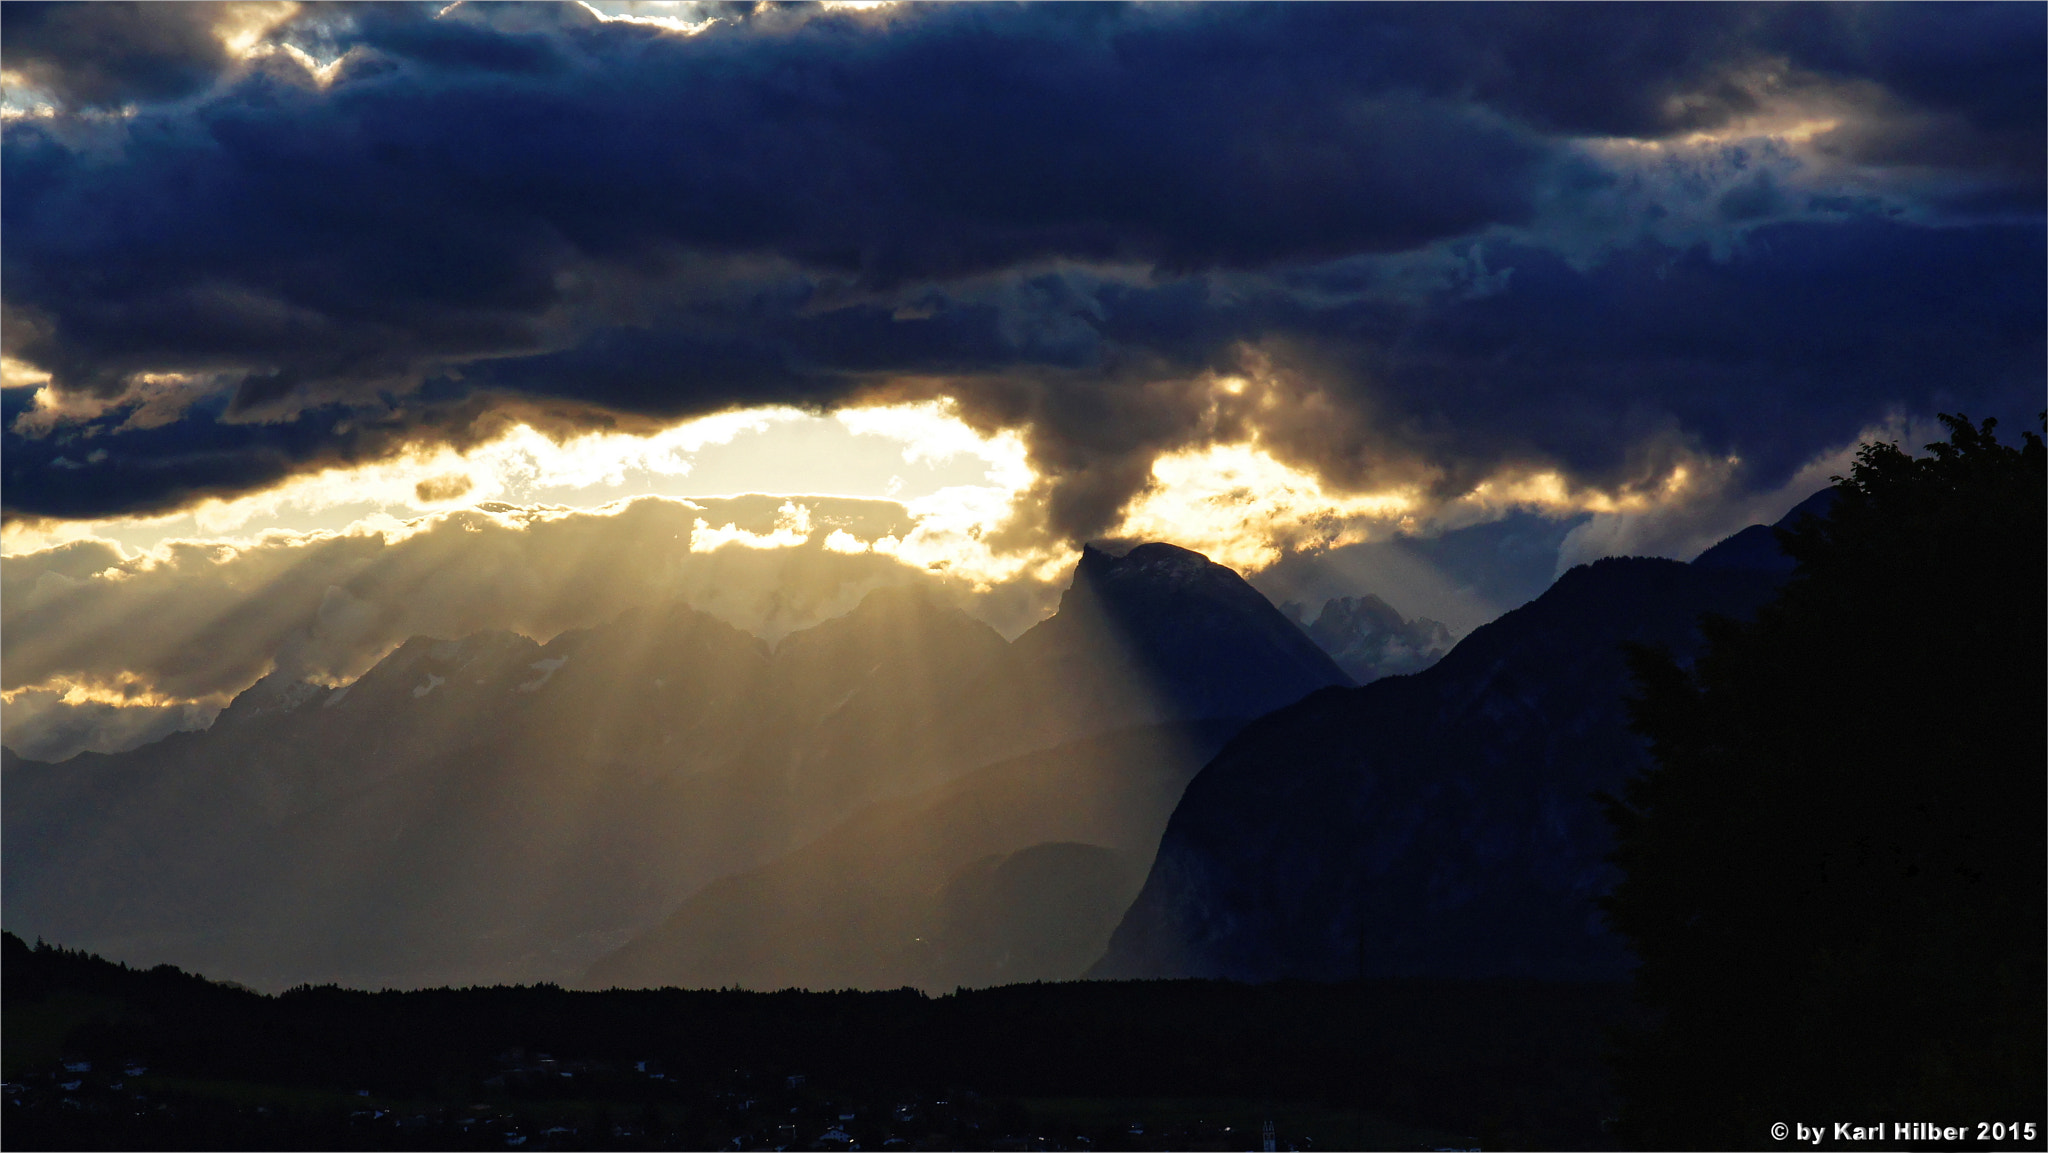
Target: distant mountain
column 1370, row 639
column 1442, row 823
column 484, row 809
column 1019, row 871
column 491, row 809
column 1015, row 872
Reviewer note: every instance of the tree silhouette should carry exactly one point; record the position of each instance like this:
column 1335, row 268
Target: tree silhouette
column 1833, row 877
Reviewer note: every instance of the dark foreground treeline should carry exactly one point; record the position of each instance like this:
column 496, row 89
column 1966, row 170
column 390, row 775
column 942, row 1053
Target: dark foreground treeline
column 101, row 1055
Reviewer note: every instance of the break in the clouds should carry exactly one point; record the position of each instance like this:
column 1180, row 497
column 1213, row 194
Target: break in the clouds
column 106, row 648
column 1406, row 251
column 327, row 324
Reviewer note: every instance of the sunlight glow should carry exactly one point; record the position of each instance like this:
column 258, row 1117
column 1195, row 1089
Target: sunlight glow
column 1792, row 128
column 124, row 693
column 1234, row 502
column 323, row 74
column 157, row 398
column 19, row 374
column 526, row 470
column 1245, row 509
column 1548, row 492
column 510, row 468
column 243, row 25
column 669, row 17
column 954, row 522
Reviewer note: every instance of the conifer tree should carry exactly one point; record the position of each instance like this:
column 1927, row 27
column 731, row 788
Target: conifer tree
column 1834, row 874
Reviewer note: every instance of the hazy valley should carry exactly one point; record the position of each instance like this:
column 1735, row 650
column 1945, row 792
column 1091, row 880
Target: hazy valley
column 893, row 797
column 490, row 809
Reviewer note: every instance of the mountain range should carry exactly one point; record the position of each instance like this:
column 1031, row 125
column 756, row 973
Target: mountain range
column 1166, row 777
column 481, row 809
column 491, row 809
column 1370, row 639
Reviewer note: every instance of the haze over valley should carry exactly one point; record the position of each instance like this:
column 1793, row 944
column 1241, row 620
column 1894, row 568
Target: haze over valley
column 733, row 574
column 487, row 809
column 892, row 797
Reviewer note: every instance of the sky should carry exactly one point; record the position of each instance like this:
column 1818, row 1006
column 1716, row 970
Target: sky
column 326, row 324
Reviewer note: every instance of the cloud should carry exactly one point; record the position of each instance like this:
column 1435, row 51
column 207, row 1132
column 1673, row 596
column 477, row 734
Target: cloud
column 1446, row 246
column 110, row 54
column 219, row 611
column 447, row 486
column 48, row 725
column 1713, row 505
column 1961, row 88
column 179, row 630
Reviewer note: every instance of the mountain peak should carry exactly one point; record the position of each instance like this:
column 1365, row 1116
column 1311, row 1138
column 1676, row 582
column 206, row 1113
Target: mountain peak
column 1197, row 632
column 1149, row 555
column 1370, row 639
column 1152, row 575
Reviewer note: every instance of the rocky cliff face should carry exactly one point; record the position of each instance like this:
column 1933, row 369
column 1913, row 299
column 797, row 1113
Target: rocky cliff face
column 1443, row 823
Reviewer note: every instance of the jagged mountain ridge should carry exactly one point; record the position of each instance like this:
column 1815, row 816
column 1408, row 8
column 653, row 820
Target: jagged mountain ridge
column 1443, row 823
column 1370, row 639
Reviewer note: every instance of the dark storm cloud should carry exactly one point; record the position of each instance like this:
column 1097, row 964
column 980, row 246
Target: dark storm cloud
column 89, row 467
column 1971, row 74
column 113, row 53
column 1809, row 332
column 1805, row 336
column 1063, row 216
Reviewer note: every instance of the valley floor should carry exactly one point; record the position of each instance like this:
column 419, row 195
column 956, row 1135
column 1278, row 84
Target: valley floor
column 98, row 1055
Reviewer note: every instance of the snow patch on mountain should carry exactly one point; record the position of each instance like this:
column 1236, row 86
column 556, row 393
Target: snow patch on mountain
column 547, row 669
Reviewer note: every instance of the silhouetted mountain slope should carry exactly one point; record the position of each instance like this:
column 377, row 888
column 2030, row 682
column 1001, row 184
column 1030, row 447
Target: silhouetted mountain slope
column 1211, row 644
column 945, row 888
column 872, row 696
column 1756, row 547
column 1159, row 634
column 1042, row 913
column 1441, row 823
